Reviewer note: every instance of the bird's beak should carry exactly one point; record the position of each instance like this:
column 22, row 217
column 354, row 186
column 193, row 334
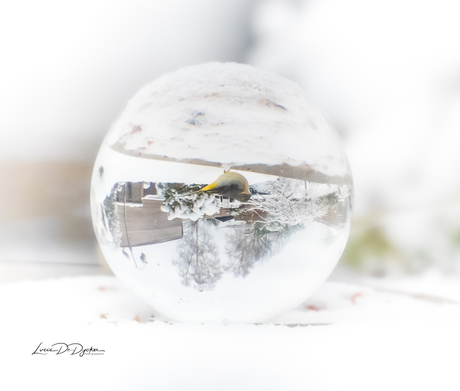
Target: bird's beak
column 209, row 187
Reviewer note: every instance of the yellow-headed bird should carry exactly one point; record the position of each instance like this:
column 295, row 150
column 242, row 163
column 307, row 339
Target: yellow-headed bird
column 231, row 185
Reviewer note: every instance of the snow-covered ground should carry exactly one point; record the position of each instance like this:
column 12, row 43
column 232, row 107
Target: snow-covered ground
column 344, row 337
column 228, row 113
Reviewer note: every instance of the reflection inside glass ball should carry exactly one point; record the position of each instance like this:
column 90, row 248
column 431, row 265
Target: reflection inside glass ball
column 223, row 228
column 221, row 194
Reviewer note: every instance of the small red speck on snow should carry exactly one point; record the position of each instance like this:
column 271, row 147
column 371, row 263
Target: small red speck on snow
column 312, row 307
column 136, row 318
column 101, row 288
column 213, row 95
column 136, row 129
column 355, row 296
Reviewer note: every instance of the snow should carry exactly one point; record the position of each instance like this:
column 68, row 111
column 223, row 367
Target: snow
column 228, row 113
column 191, row 206
column 344, row 337
column 385, row 73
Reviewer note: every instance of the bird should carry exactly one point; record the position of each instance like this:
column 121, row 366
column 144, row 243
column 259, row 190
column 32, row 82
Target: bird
column 231, row 185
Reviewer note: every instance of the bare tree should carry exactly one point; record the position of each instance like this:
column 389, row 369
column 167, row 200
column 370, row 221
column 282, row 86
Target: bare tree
column 199, row 264
column 287, row 203
column 245, row 248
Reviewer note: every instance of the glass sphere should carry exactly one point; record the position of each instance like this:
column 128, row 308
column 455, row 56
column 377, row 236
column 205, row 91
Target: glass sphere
column 221, row 194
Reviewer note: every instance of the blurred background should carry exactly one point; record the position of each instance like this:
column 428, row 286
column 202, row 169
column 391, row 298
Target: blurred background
column 385, row 74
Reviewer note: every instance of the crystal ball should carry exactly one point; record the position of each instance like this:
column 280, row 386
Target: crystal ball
column 221, row 194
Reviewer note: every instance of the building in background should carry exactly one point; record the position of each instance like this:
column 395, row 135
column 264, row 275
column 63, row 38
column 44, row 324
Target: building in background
column 69, row 70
